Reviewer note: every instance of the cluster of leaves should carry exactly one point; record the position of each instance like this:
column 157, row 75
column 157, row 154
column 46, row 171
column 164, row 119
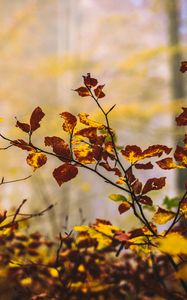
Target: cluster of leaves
column 85, row 267
column 92, row 145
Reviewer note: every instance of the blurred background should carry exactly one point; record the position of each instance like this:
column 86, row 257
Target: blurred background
column 134, row 47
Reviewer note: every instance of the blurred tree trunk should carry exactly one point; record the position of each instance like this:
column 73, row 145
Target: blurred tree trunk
column 176, row 83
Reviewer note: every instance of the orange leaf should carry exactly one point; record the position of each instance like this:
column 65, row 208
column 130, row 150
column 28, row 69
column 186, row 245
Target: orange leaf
column 123, row 207
column 36, row 117
column 154, row 184
column 162, row 216
column 70, row 121
column 181, row 155
column 65, row 173
column 90, row 132
column 83, row 91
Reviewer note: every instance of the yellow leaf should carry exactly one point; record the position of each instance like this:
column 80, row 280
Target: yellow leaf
column 83, row 153
column 1, row 120
column 162, row 216
column 174, row 244
column 83, row 117
column 183, row 207
column 36, row 159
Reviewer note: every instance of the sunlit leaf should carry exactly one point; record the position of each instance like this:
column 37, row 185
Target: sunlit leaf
column 70, row 121
column 117, row 197
column 162, row 216
column 65, row 173
column 134, row 153
column 36, row 159
column 174, row 244
column 84, row 154
column 83, row 117
column 168, row 163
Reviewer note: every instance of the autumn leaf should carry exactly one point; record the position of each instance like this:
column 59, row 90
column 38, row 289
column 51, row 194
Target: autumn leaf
column 162, row 216
column 183, row 67
column 136, row 187
column 99, row 91
column 65, row 173
column 145, row 200
column 154, row 184
column 36, row 159
column 90, row 132
column 36, row 116
column 183, row 207
column 23, row 126
column 181, row 155
column 84, row 154
column 83, row 117
column 70, row 121
column 145, row 166
column 59, row 147
column 123, row 207
column 83, row 91
column 117, row 197
column 134, row 153
column 174, row 244
column 182, row 118
column 22, row 144
column 89, row 81
column 168, row 163
column 108, row 168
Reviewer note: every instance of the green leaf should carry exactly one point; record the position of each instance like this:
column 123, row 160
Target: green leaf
column 117, row 198
column 171, row 202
